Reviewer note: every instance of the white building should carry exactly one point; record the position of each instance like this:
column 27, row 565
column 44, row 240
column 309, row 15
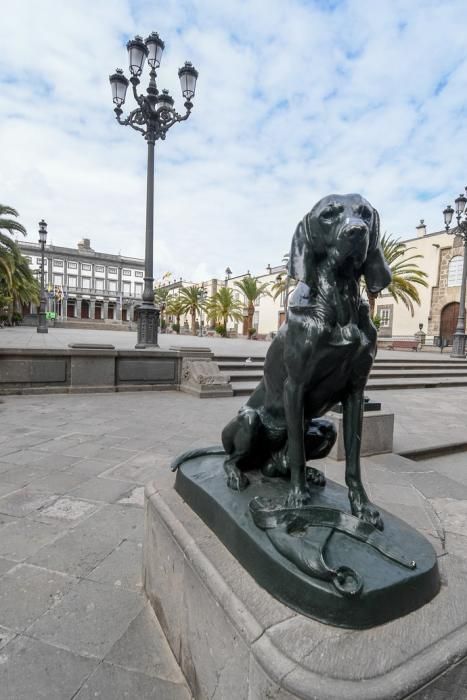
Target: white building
column 84, row 284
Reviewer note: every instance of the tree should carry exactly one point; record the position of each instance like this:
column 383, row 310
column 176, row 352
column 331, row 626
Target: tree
column 17, row 283
column 252, row 290
column 161, row 295
column 175, row 308
column 405, row 274
column 223, row 306
column 7, row 244
column 192, row 303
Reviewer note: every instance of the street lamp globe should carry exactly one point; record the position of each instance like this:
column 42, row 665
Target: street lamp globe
column 188, row 76
column 165, row 101
column 119, row 85
column 137, row 52
column 155, row 47
column 42, row 231
column 448, row 213
column 460, row 203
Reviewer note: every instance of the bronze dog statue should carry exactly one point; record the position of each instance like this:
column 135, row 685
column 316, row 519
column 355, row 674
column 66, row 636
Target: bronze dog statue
column 321, row 355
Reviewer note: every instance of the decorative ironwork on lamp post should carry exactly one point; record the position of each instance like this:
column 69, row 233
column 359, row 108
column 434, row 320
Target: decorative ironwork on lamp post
column 153, row 117
column 42, row 321
column 458, row 342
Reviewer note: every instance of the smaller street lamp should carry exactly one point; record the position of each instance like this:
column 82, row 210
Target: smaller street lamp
column 458, row 342
column 42, row 322
column 228, row 275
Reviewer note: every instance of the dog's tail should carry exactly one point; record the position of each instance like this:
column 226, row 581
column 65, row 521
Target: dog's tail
column 192, row 454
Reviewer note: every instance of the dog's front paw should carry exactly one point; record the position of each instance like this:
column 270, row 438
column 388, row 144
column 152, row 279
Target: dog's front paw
column 297, row 497
column 315, row 476
column 362, row 508
column 237, row 481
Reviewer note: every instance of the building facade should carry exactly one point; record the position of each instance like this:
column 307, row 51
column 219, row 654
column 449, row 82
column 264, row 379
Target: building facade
column 84, row 284
column 442, row 259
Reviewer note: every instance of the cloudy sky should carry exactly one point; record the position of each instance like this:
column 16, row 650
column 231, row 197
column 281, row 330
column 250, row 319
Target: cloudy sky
column 296, row 99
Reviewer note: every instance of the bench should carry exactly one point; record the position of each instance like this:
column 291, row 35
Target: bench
column 403, row 345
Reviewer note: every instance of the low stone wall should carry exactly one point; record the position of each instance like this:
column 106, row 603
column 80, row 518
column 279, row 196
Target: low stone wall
column 27, row 371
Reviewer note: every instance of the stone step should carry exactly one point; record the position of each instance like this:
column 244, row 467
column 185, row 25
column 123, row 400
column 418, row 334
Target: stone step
column 240, row 361
column 246, row 388
column 249, row 373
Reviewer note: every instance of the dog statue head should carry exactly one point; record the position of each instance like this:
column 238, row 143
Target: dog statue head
column 341, row 232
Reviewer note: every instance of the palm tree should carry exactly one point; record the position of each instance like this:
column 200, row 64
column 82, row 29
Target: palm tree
column 252, row 290
column 161, row 294
column 405, row 274
column 192, row 303
column 17, row 283
column 175, row 308
column 7, row 244
column 25, row 286
column 223, row 306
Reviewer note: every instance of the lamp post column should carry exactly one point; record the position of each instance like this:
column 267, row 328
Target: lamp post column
column 458, row 341
column 148, row 314
column 42, row 326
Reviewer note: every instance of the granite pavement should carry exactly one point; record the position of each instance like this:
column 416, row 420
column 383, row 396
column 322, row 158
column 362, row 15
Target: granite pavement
column 74, row 623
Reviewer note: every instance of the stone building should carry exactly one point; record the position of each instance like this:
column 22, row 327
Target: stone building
column 83, row 284
column 442, row 260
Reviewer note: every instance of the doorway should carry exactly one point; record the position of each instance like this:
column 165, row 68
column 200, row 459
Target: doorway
column 448, row 323
column 85, row 308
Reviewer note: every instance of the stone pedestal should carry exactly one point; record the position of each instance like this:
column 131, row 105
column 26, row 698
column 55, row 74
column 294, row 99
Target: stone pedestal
column 200, row 375
column 377, row 433
column 233, row 640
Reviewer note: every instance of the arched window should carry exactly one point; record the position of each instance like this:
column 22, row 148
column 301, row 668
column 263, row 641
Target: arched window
column 455, row 271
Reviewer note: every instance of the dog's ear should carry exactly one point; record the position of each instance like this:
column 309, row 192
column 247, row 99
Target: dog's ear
column 375, row 268
column 296, row 266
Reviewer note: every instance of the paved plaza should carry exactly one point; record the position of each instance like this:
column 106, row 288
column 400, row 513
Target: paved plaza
column 74, row 622
column 27, row 337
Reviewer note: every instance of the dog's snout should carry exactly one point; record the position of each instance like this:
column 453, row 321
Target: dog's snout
column 355, row 228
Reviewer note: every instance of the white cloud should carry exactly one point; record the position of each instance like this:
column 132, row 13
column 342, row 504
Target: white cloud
column 294, row 100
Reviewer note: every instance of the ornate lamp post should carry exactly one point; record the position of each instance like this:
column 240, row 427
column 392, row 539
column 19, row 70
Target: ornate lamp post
column 458, row 343
column 153, row 117
column 42, row 322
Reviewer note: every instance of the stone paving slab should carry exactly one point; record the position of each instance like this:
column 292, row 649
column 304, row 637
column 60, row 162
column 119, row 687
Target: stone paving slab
column 27, row 592
column 89, row 619
column 31, row 669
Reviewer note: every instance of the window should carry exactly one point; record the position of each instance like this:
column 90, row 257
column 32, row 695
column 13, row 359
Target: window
column 72, row 265
column 127, row 288
column 28, row 258
column 126, row 272
column 58, row 263
column 138, row 273
column 72, row 281
column 455, row 271
column 112, row 285
column 138, row 290
column 85, row 266
column 39, row 260
column 99, row 284
column 99, row 268
column 385, row 316
column 86, row 282
column 58, row 279
column 112, row 270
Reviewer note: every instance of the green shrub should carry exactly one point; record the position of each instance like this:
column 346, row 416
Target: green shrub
column 176, row 327
column 221, row 330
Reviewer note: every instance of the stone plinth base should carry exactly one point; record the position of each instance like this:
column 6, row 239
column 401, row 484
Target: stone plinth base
column 377, row 433
column 233, row 640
